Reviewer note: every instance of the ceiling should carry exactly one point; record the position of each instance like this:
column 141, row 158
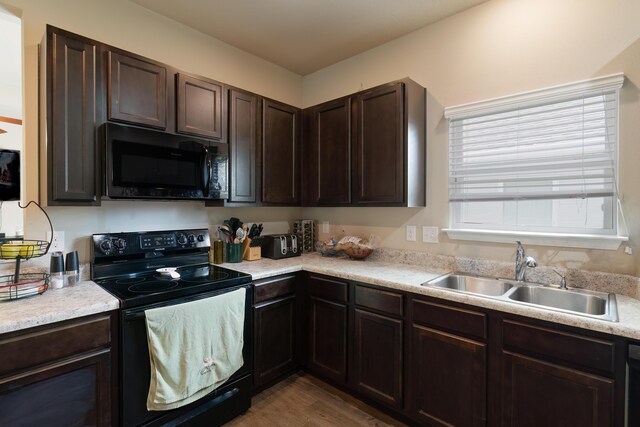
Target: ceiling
column 306, row 35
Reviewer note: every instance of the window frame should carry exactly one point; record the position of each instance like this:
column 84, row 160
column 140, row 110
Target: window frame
column 596, row 239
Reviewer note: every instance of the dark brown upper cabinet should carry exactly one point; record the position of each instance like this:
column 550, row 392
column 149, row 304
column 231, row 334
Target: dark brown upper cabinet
column 200, row 107
column 327, row 155
column 281, row 153
column 243, row 146
column 137, row 91
column 368, row 149
column 389, row 146
column 70, row 89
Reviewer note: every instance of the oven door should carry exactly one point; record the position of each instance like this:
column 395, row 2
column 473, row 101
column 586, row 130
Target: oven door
column 135, row 371
column 145, row 164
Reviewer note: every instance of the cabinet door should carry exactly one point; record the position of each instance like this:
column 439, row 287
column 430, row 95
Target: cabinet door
column 330, row 154
column 377, row 366
column 378, row 174
column 280, row 153
column 447, row 379
column 71, row 144
column 74, row 392
column 243, row 139
column 200, row 107
column 275, row 342
column 328, row 339
column 536, row 393
column 137, row 91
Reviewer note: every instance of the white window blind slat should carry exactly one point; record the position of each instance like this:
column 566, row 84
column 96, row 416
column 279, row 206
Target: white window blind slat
column 556, row 132
column 550, row 109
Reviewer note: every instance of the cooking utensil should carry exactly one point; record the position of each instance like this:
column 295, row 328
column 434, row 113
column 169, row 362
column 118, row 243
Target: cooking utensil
column 226, row 233
column 169, row 271
column 253, row 230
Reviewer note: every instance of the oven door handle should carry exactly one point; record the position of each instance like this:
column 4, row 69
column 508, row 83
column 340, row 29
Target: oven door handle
column 134, row 316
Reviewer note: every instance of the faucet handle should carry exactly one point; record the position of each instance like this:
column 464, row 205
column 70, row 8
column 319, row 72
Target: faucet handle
column 563, row 279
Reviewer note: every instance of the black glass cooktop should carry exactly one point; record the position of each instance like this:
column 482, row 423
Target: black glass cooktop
column 150, row 287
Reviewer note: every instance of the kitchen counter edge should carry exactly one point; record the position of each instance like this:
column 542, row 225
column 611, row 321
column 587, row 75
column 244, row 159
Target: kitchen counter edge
column 55, row 305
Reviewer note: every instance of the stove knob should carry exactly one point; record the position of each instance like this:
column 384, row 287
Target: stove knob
column 105, row 246
column 182, row 239
column 120, row 244
column 192, row 238
column 200, row 237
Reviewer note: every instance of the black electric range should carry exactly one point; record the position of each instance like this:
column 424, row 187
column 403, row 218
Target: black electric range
column 125, row 265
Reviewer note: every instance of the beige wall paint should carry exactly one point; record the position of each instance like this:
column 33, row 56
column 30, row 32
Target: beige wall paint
column 495, row 49
column 126, row 25
column 498, row 48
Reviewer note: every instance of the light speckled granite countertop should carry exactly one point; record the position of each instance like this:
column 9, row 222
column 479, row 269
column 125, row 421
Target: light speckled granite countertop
column 409, row 277
column 56, row 305
column 88, row 298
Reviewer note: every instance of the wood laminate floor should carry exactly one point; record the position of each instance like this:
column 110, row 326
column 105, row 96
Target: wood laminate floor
column 302, row 400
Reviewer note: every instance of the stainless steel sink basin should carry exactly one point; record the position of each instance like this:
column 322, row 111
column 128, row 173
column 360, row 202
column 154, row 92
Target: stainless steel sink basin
column 597, row 305
column 471, row 284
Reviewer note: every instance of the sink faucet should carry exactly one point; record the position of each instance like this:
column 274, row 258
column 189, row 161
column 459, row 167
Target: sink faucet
column 563, row 279
column 522, row 262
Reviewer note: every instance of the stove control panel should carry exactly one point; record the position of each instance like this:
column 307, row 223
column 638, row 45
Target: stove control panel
column 148, row 243
column 156, row 241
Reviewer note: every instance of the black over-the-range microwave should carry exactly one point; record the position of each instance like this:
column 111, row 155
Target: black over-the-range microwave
column 147, row 164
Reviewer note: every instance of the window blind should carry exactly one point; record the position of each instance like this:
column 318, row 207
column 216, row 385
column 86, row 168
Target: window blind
column 537, row 147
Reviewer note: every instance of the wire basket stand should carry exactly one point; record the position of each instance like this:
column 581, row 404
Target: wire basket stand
column 16, row 286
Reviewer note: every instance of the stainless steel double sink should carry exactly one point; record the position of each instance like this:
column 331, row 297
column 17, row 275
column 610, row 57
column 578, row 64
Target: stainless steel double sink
column 597, row 305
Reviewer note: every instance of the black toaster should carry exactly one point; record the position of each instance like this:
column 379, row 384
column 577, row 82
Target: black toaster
column 276, row 246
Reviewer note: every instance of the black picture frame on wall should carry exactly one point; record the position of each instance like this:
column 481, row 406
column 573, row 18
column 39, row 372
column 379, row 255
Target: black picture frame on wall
column 9, row 175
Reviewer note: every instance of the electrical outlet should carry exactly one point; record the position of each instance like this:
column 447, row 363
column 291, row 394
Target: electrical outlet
column 429, row 234
column 325, row 226
column 57, row 243
column 411, row 233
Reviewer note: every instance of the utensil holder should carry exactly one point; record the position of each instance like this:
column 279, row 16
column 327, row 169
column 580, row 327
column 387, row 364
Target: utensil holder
column 250, row 253
column 234, row 252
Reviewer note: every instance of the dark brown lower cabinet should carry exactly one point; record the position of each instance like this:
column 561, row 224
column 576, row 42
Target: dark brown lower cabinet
column 58, row 375
column 328, row 339
column 275, row 343
column 434, row 362
column 276, row 329
column 449, row 378
column 555, row 376
column 378, row 355
column 537, row 393
column 74, row 392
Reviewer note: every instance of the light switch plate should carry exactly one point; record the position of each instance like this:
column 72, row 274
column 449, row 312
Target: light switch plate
column 325, row 226
column 411, row 233
column 429, row 234
column 57, row 243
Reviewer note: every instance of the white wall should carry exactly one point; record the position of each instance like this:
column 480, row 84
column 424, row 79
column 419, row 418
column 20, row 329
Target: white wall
column 11, row 219
column 498, row 48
